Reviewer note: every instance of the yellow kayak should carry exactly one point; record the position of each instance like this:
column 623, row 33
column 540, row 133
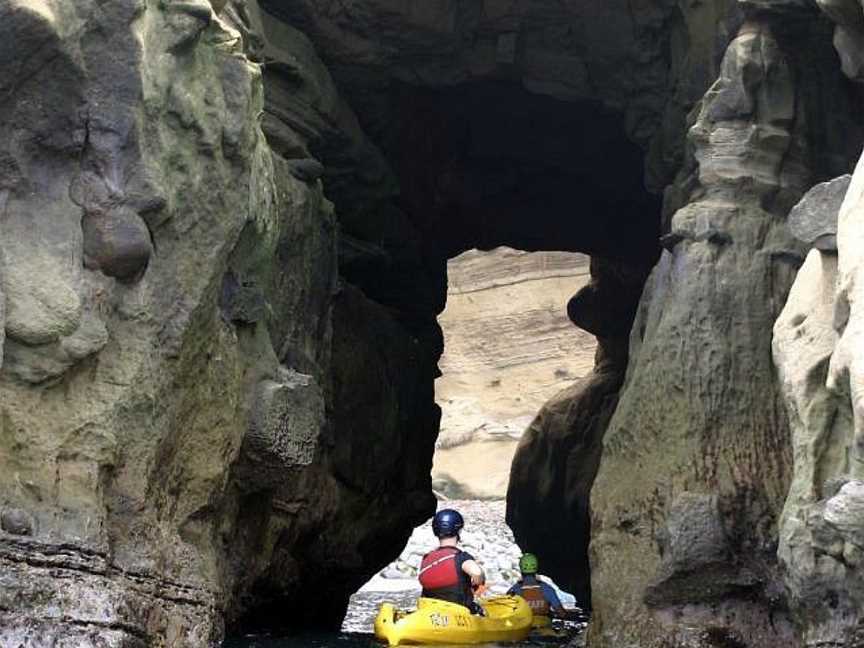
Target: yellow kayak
column 508, row 618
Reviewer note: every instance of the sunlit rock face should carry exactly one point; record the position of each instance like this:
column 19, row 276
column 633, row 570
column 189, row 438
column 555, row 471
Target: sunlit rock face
column 816, row 343
column 508, row 347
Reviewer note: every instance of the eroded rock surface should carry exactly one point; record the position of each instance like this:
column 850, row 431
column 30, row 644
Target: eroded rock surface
column 558, row 456
column 700, row 439
column 216, row 398
column 820, row 540
column 814, row 220
column 169, row 287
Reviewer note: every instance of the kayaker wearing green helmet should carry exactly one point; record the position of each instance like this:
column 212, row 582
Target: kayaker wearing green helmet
column 541, row 597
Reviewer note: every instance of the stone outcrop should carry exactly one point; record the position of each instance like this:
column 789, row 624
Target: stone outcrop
column 177, row 448
column 508, row 347
column 820, row 542
column 699, row 444
column 813, row 221
column 554, row 468
column 848, row 35
column 558, row 456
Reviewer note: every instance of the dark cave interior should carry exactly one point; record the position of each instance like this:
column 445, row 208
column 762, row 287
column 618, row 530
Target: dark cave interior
column 477, row 165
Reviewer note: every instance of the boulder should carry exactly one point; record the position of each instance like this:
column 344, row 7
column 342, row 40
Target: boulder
column 116, row 242
column 16, row 521
column 286, row 421
column 814, row 219
column 845, row 512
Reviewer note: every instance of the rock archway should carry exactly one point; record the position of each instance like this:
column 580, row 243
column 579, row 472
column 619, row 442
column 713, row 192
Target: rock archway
column 729, row 171
column 220, row 288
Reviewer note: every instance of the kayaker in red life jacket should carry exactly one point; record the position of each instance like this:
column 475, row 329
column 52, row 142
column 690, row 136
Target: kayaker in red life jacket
column 448, row 573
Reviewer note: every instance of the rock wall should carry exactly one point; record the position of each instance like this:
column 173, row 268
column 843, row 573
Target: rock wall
column 178, row 447
column 697, row 459
column 133, row 172
column 508, row 347
column 216, row 391
column 558, row 456
column 815, row 346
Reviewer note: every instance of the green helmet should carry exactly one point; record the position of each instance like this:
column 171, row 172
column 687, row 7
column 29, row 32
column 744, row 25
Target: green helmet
column 528, row 563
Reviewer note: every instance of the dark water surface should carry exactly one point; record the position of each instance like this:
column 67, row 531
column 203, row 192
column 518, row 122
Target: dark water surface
column 348, row 640
column 357, row 640
column 357, row 629
column 331, row 640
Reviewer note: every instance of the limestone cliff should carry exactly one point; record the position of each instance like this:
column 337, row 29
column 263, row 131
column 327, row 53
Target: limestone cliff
column 508, row 347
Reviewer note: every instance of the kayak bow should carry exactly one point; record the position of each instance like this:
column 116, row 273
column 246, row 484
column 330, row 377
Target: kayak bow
column 508, row 618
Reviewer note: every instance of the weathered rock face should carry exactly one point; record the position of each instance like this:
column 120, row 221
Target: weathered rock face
column 814, row 338
column 176, row 446
column 816, row 343
column 125, row 195
column 216, row 393
column 813, row 221
column 558, row 456
column 632, row 56
column 699, row 447
column 555, row 466
column 421, row 81
column 508, row 347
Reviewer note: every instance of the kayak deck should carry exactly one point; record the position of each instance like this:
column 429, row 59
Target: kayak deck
column 508, row 618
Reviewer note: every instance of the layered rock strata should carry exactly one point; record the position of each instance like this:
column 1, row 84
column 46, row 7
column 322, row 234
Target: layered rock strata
column 508, row 347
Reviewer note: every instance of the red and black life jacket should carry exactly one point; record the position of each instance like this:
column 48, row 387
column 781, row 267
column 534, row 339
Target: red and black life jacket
column 533, row 594
column 441, row 576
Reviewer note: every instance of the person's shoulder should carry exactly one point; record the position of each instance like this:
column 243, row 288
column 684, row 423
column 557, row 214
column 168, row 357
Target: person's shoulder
column 550, row 593
column 464, row 555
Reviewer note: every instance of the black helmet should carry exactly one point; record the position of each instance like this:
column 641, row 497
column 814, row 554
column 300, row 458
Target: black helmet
column 447, row 523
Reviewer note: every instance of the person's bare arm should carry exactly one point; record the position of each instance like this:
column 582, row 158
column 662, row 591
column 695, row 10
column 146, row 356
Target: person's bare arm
column 475, row 572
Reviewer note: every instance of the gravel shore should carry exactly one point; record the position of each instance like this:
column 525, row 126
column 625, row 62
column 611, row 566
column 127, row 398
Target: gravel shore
column 486, row 537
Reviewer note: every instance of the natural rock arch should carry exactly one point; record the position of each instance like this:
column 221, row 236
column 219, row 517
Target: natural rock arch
column 229, row 374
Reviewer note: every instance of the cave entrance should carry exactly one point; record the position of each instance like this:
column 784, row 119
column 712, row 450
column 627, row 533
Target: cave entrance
column 420, row 176
column 513, row 190
column 509, row 347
